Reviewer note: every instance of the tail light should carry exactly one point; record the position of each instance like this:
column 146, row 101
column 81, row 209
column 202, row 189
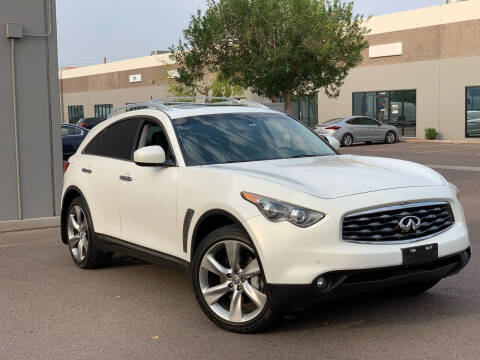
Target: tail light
column 82, row 124
column 332, row 128
column 66, row 164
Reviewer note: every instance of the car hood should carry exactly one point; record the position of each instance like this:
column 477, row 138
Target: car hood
column 337, row 176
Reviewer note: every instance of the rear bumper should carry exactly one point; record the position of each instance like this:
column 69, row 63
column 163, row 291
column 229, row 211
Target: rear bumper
column 344, row 283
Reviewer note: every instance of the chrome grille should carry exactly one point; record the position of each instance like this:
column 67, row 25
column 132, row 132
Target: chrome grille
column 382, row 224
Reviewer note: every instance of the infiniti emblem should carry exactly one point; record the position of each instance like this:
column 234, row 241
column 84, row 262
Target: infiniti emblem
column 409, row 223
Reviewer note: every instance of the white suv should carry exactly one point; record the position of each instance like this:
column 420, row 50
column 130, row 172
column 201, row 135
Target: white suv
column 266, row 215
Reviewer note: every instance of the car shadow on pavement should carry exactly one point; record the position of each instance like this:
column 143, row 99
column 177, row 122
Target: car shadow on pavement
column 124, row 261
column 377, row 310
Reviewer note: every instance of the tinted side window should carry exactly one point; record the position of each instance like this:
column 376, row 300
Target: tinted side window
column 118, row 139
column 92, row 147
column 367, row 121
column 355, row 121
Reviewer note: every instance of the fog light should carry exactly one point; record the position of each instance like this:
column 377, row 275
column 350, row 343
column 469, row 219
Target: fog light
column 322, row 283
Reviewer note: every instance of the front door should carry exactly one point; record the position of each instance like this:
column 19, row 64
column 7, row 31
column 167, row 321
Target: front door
column 148, row 197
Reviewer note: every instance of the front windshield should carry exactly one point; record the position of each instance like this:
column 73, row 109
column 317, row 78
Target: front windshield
column 240, row 137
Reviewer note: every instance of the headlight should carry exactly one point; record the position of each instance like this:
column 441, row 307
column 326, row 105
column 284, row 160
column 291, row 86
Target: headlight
column 454, row 188
column 277, row 211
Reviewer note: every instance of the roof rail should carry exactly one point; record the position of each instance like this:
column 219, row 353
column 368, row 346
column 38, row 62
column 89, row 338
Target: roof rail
column 166, row 104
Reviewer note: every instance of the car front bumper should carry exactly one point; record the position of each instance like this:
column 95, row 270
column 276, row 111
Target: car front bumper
column 298, row 256
column 344, row 283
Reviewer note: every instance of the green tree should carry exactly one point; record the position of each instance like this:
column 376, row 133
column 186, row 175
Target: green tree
column 224, row 88
column 273, row 47
column 209, row 85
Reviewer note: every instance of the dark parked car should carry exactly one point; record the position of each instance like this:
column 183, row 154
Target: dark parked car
column 72, row 137
column 90, row 122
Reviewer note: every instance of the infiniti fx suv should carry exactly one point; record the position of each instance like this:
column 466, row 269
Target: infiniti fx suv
column 264, row 213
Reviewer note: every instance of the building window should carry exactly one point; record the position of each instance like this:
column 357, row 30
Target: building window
column 473, row 111
column 398, row 108
column 75, row 113
column 103, row 110
column 358, row 101
column 305, row 109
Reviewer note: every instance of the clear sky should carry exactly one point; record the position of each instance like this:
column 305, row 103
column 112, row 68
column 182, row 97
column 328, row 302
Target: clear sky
column 89, row 30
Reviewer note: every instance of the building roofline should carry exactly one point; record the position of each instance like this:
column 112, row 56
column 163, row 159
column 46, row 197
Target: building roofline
column 429, row 16
column 114, row 66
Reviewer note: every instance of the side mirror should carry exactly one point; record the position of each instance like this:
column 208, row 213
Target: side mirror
column 333, row 142
column 149, row 156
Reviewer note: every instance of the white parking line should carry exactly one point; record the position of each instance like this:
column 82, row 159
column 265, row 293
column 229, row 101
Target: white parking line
column 456, row 149
column 434, row 151
column 452, row 167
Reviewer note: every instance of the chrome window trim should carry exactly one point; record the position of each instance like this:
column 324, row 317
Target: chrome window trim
column 396, row 207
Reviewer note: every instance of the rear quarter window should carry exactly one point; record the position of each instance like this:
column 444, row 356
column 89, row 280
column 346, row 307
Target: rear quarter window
column 118, row 140
column 93, row 145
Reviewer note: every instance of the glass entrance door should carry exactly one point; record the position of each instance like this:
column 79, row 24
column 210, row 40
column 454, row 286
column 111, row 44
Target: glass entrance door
column 396, row 107
column 382, row 107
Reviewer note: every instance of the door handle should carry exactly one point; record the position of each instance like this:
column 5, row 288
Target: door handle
column 125, row 178
column 86, row 171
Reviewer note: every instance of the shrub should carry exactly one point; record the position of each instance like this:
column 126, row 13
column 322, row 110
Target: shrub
column 431, row 134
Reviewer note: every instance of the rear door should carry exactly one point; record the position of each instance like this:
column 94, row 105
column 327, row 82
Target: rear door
column 356, row 128
column 373, row 129
column 107, row 155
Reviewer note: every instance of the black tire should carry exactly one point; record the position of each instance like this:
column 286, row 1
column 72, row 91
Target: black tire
column 94, row 258
column 415, row 288
column 260, row 322
column 347, row 140
column 390, row 137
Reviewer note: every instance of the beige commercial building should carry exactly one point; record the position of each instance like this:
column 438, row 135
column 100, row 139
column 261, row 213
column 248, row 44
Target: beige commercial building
column 95, row 90
column 422, row 70
column 92, row 91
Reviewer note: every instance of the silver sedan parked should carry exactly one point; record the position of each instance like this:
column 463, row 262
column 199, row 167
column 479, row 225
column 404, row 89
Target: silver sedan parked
column 354, row 129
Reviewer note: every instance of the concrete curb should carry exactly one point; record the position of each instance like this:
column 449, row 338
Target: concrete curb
column 28, row 224
column 460, row 141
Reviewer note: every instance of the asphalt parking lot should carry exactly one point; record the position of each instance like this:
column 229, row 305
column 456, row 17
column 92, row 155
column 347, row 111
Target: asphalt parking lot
column 52, row 310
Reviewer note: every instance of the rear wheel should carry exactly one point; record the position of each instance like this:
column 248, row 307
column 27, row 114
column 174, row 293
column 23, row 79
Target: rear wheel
column 229, row 284
column 81, row 237
column 347, row 140
column 390, row 137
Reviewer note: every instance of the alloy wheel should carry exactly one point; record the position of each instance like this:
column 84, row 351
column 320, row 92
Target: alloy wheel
column 231, row 282
column 77, row 231
column 347, row 140
column 391, row 138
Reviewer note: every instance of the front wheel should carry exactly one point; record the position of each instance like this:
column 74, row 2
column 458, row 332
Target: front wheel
column 229, row 284
column 390, row 137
